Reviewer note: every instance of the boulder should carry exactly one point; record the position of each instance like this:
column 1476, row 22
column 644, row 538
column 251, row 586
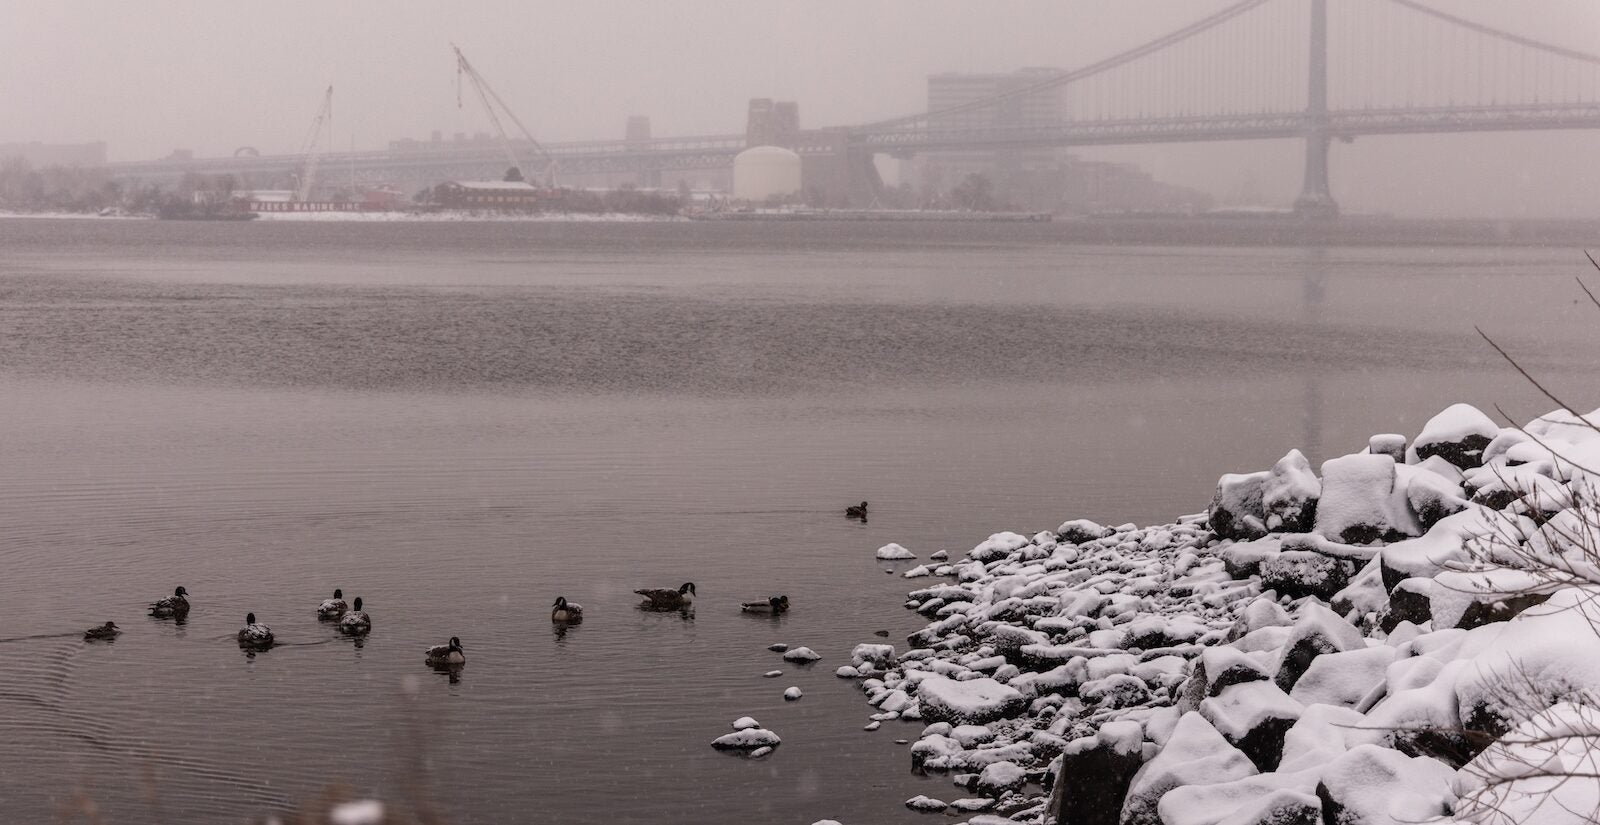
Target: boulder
column 1081, row 531
column 1289, row 495
column 1459, row 435
column 1359, row 504
column 1392, row 445
column 1370, row 785
column 1298, row 573
column 1253, row 717
column 1095, row 774
column 1317, row 630
column 1243, row 559
column 1236, row 510
column 746, row 739
column 999, row 778
column 968, row 702
column 1195, row 754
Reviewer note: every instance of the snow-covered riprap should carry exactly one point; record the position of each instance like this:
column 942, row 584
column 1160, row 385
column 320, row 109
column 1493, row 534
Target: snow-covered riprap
column 1408, row 635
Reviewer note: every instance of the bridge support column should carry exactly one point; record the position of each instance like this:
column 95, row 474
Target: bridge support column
column 1316, row 200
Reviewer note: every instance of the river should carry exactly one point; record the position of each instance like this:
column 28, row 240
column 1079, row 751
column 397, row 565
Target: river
column 461, row 421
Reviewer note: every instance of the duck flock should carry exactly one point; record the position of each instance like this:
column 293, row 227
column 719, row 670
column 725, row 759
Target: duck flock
column 352, row 620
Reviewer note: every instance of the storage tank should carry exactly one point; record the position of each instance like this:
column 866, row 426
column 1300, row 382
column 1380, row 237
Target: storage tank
column 764, row 171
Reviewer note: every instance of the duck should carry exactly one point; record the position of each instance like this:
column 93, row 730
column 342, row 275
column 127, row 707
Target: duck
column 776, row 604
column 664, row 599
column 105, row 632
column 856, row 510
column 333, row 608
column 175, row 606
column 565, row 611
column 447, row 654
column 356, row 622
column 254, row 634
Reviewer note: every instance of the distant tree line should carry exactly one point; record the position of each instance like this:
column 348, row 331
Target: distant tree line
column 78, row 189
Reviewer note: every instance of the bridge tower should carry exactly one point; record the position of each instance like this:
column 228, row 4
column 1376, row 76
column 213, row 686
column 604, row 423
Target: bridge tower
column 1316, row 200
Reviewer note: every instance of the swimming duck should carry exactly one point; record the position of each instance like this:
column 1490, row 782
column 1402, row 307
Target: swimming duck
column 564, row 611
column 356, row 622
column 776, row 604
column 254, row 634
column 446, row 655
column 856, row 511
column 103, row 632
column 669, row 599
column 333, row 608
column 174, row 606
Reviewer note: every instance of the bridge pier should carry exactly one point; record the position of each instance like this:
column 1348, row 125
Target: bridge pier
column 1316, row 200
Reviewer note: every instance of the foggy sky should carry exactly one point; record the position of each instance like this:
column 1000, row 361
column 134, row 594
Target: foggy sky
column 149, row 77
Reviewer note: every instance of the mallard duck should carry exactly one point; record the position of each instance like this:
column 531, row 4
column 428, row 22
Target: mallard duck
column 446, row 655
column 356, row 622
column 776, row 604
column 333, row 608
column 669, row 599
column 856, row 511
column 254, row 634
column 565, row 611
column 174, row 606
column 104, row 632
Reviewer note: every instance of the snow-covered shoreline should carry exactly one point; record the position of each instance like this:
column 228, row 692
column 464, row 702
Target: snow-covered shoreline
column 460, row 216
column 1408, row 636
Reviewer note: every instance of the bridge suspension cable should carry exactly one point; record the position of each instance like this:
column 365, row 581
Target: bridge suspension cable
column 1494, row 32
column 1202, row 25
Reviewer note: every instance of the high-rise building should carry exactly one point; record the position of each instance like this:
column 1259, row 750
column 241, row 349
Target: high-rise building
column 772, row 123
column 1014, row 172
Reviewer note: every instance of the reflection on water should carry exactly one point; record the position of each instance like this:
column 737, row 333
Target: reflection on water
column 474, row 427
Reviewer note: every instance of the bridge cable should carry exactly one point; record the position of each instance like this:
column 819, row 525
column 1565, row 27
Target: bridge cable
column 1494, row 32
column 1078, row 74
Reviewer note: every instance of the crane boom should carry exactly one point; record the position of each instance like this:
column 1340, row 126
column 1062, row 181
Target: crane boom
column 486, row 94
column 310, row 151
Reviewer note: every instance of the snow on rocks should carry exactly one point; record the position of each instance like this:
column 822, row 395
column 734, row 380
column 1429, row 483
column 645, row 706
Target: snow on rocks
column 1340, row 646
column 1458, row 435
column 746, row 739
column 792, row 693
column 973, row 701
column 800, row 654
column 894, row 552
column 745, row 723
column 926, row 804
column 1238, row 510
column 1289, row 494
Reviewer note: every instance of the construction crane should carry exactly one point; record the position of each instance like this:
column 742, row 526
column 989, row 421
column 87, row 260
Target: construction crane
column 487, row 94
column 311, row 150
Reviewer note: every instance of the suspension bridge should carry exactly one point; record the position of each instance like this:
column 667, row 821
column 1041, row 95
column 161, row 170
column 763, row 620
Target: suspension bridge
column 1305, row 70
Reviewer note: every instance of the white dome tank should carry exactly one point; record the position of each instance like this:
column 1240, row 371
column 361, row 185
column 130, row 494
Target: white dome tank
column 761, row 172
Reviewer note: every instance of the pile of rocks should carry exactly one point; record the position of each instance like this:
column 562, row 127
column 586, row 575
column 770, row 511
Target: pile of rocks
column 1405, row 637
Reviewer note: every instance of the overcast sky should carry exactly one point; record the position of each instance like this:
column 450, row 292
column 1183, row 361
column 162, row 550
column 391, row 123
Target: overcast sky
column 149, row 77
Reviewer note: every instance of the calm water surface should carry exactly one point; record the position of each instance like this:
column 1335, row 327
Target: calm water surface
column 461, row 422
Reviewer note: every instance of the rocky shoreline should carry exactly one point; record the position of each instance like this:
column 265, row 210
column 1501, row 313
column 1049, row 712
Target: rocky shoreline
column 1407, row 636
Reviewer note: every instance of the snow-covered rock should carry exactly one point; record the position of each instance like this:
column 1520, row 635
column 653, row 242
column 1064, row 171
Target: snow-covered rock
column 800, row 654
column 792, row 693
column 1359, row 504
column 746, row 739
column 1289, row 494
column 973, row 701
column 1459, row 434
column 1237, row 511
column 894, row 552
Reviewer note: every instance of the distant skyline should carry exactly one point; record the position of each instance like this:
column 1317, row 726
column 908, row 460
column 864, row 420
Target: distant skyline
column 152, row 77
